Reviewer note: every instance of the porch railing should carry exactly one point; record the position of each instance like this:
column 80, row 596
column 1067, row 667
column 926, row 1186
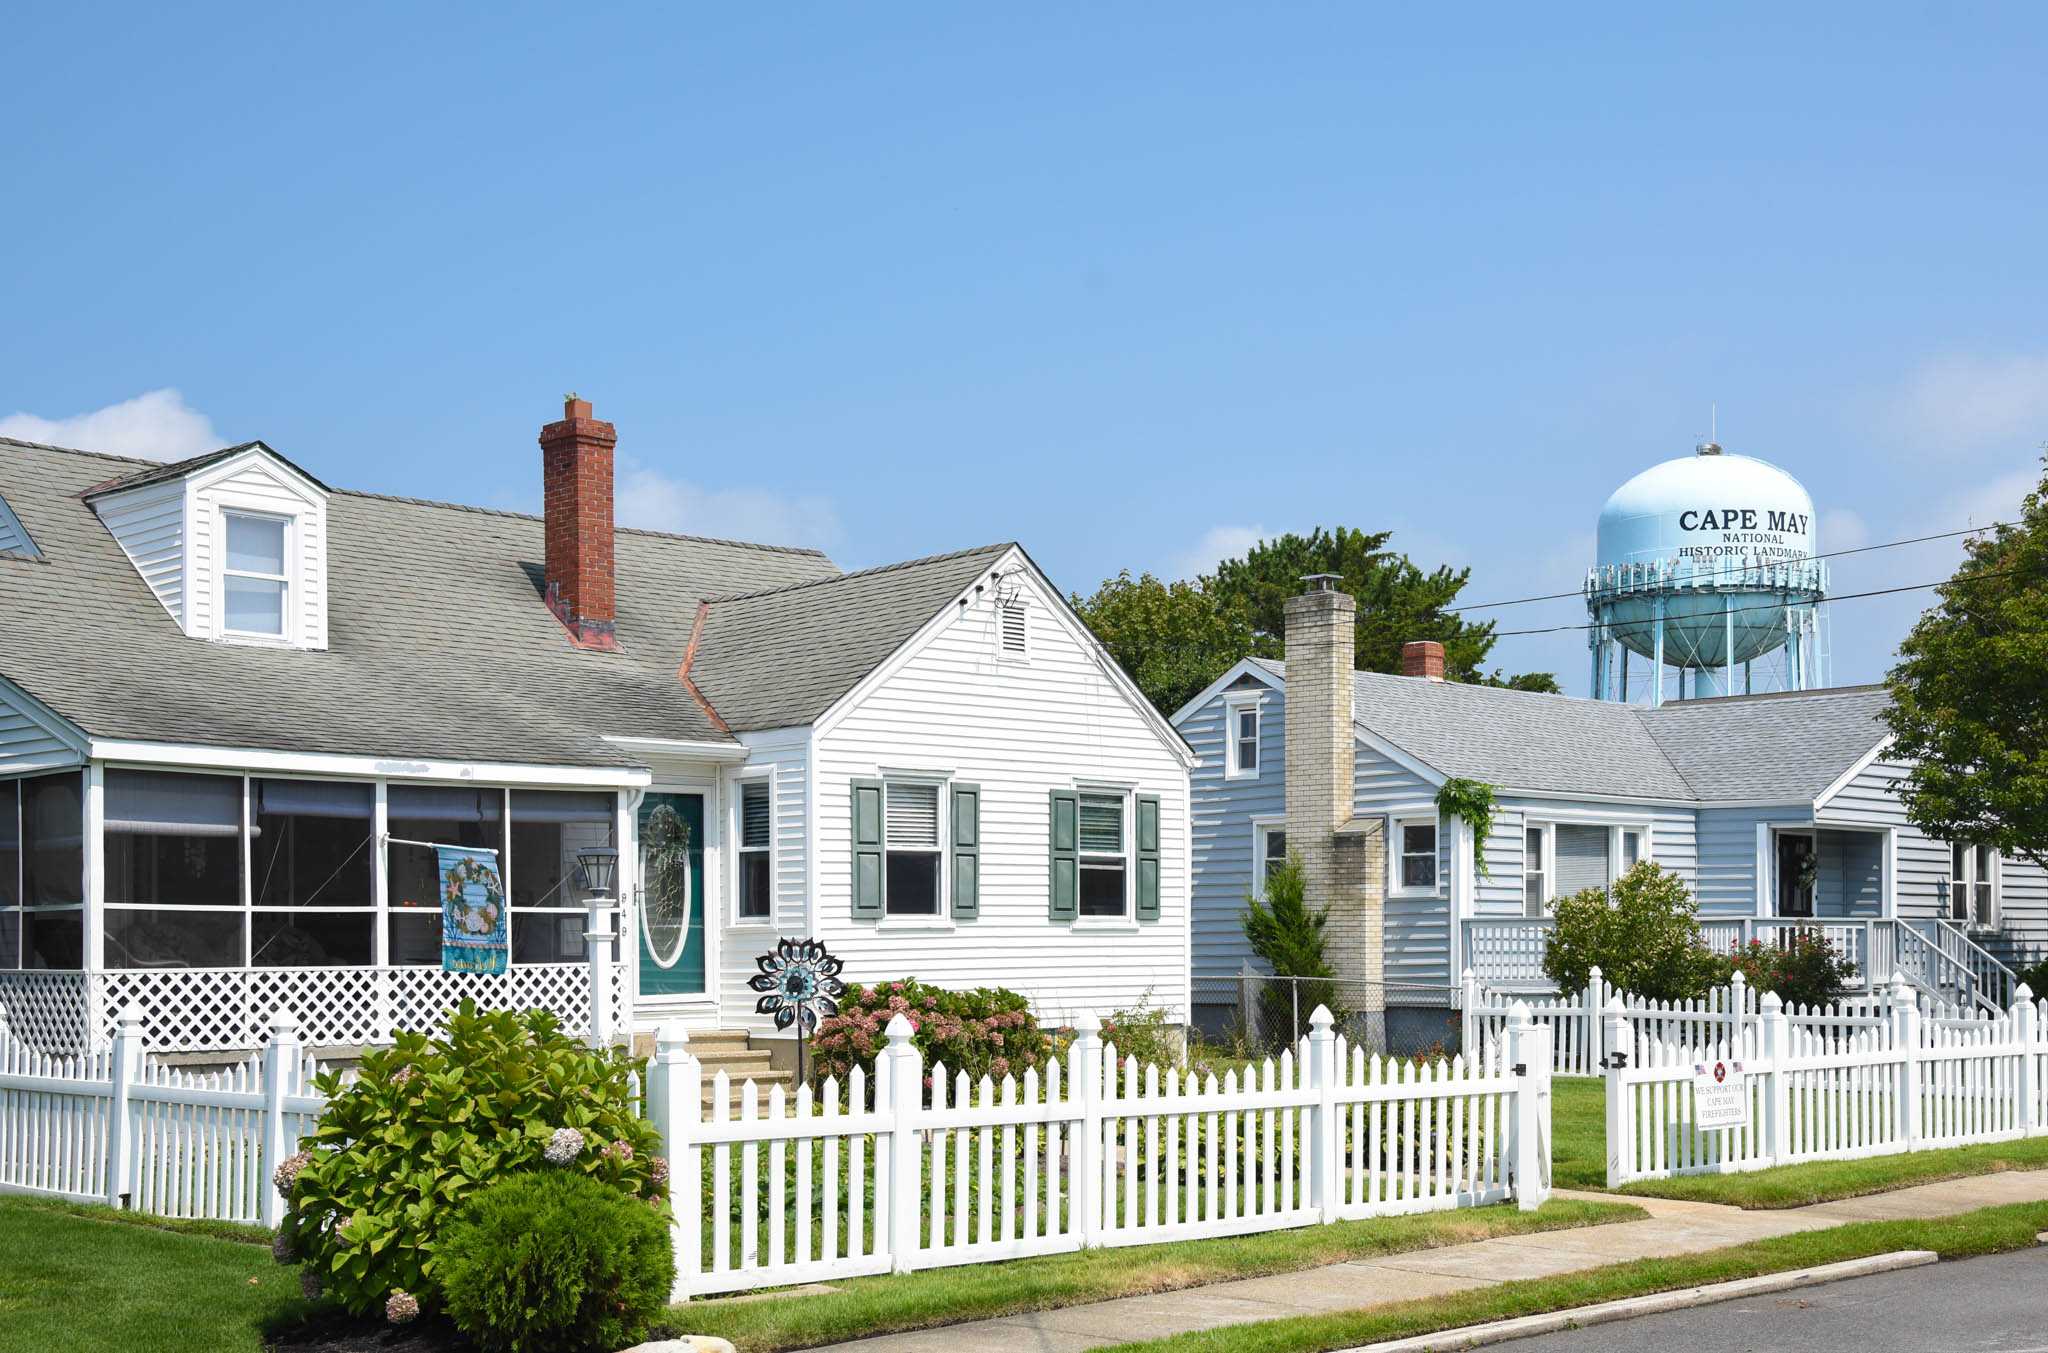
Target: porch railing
column 207, row 1010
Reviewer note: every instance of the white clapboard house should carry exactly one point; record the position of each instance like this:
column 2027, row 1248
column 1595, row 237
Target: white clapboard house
column 235, row 701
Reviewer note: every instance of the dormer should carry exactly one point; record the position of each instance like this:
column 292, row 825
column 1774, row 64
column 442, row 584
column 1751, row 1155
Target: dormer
column 233, row 543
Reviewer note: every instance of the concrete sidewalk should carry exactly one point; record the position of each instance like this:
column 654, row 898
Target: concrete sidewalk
column 1671, row 1228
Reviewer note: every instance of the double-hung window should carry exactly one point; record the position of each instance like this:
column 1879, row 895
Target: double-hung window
column 1973, row 885
column 1104, row 853
column 911, row 833
column 1242, row 727
column 756, row 851
column 1415, row 866
column 1535, row 871
column 1272, row 853
column 255, row 588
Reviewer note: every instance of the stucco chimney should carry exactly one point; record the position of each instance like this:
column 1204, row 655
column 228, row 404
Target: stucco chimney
column 1423, row 658
column 1343, row 859
column 576, row 464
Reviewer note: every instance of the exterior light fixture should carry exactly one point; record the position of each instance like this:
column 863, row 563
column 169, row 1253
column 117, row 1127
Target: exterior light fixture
column 600, row 868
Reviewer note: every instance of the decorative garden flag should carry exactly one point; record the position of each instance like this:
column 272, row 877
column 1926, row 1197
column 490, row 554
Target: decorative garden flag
column 472, row 910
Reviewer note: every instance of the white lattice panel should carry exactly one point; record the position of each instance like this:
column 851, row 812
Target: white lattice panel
column 48, row 1011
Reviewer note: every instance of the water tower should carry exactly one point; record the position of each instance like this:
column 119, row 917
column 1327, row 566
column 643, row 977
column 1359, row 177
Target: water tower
column 1707, row 567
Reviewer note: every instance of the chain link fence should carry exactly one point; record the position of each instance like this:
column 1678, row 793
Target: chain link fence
column 1263, row 1014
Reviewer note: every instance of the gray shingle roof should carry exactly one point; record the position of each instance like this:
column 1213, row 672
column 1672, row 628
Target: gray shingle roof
column 1784, row 747
column 440, row 646
column 780, row 658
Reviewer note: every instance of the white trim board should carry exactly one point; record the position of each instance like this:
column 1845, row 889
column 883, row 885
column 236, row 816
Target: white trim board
column 364, row 767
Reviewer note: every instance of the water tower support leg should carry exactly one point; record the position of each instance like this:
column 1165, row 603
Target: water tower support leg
column 1728, row 653
column 1657, row 664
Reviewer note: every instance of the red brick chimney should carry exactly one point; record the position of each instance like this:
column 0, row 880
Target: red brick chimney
column 1423, row 658
column 576, row 463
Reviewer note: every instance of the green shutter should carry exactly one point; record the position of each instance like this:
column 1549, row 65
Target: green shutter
column 1148, row 857
column 1064, row 831
column 867, row 849
column 966, row 852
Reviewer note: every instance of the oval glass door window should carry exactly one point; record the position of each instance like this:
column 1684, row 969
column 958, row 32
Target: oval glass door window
column 668, row 851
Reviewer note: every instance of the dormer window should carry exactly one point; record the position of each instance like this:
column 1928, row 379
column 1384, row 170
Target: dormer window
column 254, row 585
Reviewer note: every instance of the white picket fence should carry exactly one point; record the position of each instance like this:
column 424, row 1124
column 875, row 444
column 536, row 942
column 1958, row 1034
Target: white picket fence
column 1829, row 1085
column 936, row 1170
column 119, row 1127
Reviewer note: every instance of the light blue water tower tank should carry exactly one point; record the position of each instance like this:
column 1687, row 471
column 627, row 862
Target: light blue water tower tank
column 1707, row 566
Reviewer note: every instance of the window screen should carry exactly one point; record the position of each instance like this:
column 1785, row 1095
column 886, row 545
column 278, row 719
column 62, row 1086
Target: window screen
column 1581, row 858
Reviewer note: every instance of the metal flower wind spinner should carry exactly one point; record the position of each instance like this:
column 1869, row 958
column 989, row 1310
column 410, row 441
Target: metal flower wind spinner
column 799, row 982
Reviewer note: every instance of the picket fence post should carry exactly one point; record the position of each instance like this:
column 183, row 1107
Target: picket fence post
column 675, row 1104
column 1906, row 1042
column 1738, row 1015
column 2024, row 1020
column 902, row 1072
column 1084, row 1078
column 1775, row 1034
column 1324, row 1129
column 1596, row 990
column 124, row 1070
column 1620, row 1141
column 280, row 1057
column 1529, row 1054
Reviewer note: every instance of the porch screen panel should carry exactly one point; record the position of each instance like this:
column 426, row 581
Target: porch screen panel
column 1581, row 858
column 446, row 815
column 313, row 881
column 10, row 874
column 549, row 899
column 173, row 848
column 53, row 871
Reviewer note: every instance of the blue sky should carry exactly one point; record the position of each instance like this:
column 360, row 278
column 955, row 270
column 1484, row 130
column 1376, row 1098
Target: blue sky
column 1131, row 284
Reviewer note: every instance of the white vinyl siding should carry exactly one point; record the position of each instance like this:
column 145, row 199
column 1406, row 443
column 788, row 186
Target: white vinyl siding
column 149, row 525
column 1018, row 731
column 30, row 738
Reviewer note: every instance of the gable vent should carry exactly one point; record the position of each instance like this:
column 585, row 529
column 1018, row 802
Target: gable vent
column 14, row 537
column 1015, row 632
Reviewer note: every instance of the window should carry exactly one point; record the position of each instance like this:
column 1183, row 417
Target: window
column 1631, row 848
column 448, row 815
column 1579, row 854
column 312, row 863
column 549, row 896
column 253, row 581
column 1272, row 853
column 174, row 870
column 1016, row 629
column 1535, row 871
column 1243, row 723
column 1973, row 885
column 1103, row 863
column 756, row 855
column 911, row 832
column 1416, row 866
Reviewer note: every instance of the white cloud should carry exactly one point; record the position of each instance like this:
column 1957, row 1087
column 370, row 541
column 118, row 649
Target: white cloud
column 1955, row 403
column 158, row 426
column 1842, row 529
column 649, row 499
column 1217, row 544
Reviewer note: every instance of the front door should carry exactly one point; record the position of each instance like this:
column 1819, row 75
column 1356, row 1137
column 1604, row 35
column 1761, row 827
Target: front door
column 671, row 889
column 1796, row 867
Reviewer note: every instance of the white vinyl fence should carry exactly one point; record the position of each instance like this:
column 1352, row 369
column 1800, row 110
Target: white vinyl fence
column 921, row 1170
column 121, row 1128
column 1828, row 1085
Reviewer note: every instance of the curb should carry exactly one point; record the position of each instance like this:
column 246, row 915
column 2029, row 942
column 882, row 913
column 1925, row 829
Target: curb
column 1550, row 1322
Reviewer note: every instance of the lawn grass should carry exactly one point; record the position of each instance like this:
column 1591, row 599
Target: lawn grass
column 890, row 1304
column 1988, row 1231
column 84, row 1279
column 1579, row 1161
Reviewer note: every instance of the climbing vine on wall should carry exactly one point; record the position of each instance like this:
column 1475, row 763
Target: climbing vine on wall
column 1471, row 802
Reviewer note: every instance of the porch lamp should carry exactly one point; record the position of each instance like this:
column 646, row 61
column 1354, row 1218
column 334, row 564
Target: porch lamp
column 600, row 870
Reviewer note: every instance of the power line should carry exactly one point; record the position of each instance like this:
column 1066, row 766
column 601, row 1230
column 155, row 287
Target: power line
column 1830, row 554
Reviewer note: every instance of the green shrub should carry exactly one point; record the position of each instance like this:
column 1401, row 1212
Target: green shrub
column 1645, row 938
column 555, row 1261
column 988, row 1031
column 2035, row 979
column 1802, row 966
column 429, row 1122
column 1147, row 1033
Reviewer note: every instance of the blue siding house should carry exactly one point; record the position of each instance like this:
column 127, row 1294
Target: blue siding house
column 1779, row 811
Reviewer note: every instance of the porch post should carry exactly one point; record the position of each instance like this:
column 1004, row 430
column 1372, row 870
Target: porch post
column 93, row 887
column 597, row 947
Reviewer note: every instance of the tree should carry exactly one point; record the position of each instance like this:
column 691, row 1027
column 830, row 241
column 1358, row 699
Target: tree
column 1644, row 938
column 1172, row 638
column 1284, row 932
column 1969, row 696
column 1397, row 601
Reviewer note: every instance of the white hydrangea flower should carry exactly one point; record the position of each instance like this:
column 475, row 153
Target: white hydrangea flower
column 564, row 1146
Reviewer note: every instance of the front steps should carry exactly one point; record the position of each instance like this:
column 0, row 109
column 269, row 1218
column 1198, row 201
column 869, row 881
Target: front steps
column 730, row 1051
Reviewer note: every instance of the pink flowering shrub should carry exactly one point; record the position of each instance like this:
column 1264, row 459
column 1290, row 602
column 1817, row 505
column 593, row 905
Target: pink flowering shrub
column 988, row 1031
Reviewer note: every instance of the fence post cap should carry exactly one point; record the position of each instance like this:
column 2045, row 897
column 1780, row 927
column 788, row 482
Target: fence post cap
column 1087, row 1024
column 1616, row 1006
column 1593, row 973
column 131, row 1015
column 1519, row 1012
column 282, row 1019
column 1736, row 979
column 900, row 1029
column 1771, row 1002
column 1470, row 974
column 671, row 1033
column 2023, row 995
column 1322, row 1020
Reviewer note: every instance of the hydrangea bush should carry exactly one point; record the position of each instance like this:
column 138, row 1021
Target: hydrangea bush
column 430, row 1121
column 988, row 1031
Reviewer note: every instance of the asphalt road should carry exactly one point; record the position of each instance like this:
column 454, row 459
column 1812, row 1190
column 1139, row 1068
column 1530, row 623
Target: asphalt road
column 1997, row 1304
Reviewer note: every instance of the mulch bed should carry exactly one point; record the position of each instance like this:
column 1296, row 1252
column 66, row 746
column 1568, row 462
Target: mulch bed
column 338, row 1333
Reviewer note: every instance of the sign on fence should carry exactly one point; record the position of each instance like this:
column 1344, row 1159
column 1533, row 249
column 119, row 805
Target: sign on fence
column 1720, row 1095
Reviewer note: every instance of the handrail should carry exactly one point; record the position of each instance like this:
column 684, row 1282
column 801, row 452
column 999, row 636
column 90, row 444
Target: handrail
column 1941, row 974
column 1997, row 980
